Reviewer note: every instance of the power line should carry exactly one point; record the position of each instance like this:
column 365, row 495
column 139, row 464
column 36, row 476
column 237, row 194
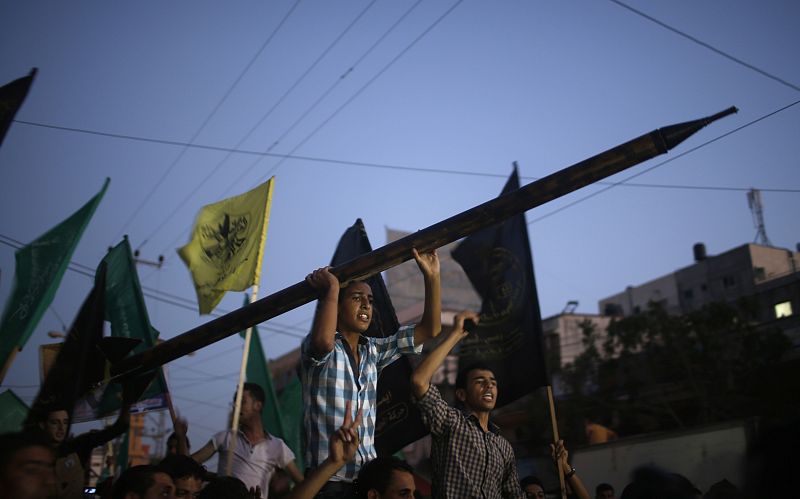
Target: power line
column 322, row 97
column 297, row 82
column 151, row 293
column 327, row 92
column 673, row 158
column 707, row 45
column 366, row 85
column 365, row 164
column 208, row 119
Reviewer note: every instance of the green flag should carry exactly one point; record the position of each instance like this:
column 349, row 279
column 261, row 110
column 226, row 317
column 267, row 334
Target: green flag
column 39, row 269
column 291, row 401
column 127, row 313
column 13, row 412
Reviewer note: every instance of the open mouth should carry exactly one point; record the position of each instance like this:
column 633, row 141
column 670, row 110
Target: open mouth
column 363, row 317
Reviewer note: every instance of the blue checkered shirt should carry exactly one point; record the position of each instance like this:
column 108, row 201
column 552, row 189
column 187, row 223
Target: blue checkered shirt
column 329, row 382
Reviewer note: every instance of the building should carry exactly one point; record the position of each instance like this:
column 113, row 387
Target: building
column 769, row 275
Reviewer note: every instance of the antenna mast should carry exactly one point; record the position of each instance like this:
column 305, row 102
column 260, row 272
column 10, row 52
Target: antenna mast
column 757, row 209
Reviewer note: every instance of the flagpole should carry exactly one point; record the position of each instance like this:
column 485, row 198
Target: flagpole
column 239, row 388
column 554, row 424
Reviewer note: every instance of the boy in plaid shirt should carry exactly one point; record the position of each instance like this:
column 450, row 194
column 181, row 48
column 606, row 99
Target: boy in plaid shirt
column 340, row 364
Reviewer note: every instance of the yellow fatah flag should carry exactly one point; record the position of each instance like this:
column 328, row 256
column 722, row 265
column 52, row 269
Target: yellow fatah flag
column 227, row 244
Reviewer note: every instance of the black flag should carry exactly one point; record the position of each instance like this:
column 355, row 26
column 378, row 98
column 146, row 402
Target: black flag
column 398, row 422
column 11, row 97
column 508, row 339
column 79, row 363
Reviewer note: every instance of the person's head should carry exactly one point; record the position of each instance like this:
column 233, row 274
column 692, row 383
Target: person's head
column 252, row 402
column 532, row 487
column 604, row 491
column 355, row 308
column 143, row 482
column 56, row 424
column 172, row 444
column 653, row 483
column 476, row 388
column 386, row 477
column 26, row 466
column 225, row 487
column 186, row 473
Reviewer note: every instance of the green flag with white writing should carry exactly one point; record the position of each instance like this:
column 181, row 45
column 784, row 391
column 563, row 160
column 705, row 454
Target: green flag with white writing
column 39, row 268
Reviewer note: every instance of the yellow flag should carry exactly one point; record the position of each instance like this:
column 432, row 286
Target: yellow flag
column 227, row 244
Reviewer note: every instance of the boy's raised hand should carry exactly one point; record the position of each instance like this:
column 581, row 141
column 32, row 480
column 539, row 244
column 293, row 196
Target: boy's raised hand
column 428, row 262
column 344, row 442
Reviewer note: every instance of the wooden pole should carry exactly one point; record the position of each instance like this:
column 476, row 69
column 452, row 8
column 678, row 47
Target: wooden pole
column 554, row 424
column 479, row 217
column 239, row 389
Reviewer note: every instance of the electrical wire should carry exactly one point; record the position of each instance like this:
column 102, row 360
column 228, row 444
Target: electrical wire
column 658, row 165
column 216, row 168
column 708, row 46
column 365, row 164
column 208, row 119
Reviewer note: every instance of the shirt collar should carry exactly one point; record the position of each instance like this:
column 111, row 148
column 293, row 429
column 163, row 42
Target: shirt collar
column 474, row 419
column 362, row 340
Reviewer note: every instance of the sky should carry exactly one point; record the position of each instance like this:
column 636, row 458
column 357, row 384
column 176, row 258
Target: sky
column 401, row 113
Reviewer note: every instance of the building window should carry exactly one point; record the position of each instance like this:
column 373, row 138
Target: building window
column 728, row 281
column 759, row 273
column 783, row 309
column 688, row 294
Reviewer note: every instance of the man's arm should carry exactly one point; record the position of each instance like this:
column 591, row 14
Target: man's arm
column 324, row 328
column 293, row 472
column 430, row 325
column 421, row 378
column 205, row 453
column 561, row 456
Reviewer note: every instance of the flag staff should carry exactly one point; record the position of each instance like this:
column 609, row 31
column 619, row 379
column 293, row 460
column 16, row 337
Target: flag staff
column 248, row 334
column 239, row 388
column 484, row 215
column 554, row 425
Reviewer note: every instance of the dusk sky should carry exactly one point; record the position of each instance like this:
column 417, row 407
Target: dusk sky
column 401, row 113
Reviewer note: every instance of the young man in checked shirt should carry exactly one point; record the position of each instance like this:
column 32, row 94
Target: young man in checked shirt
column 469, row 457
column 340, row 364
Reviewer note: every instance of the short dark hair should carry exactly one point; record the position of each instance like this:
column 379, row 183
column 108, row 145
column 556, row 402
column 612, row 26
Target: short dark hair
column 530, row 480
column 179, row 466
column 11, row 443
column 255, row 391
column 225, row 487
column 136, row 479
column 173, row 437
column 603, row 487
column 377, row 474
column 461, row 379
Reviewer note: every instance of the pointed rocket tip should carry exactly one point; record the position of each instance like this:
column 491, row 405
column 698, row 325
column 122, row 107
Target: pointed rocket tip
column 727, row 112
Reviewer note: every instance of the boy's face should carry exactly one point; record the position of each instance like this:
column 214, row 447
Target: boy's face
column 355, row 308
column 480, row 393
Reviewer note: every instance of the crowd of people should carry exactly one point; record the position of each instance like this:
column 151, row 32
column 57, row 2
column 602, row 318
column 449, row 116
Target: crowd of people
column 339, row 370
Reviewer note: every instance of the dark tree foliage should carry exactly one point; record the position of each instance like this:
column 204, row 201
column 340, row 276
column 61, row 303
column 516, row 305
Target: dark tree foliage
column 657, row 371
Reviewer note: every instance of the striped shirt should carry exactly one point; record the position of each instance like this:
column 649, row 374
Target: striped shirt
column 467, row 461
column 329, row 382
